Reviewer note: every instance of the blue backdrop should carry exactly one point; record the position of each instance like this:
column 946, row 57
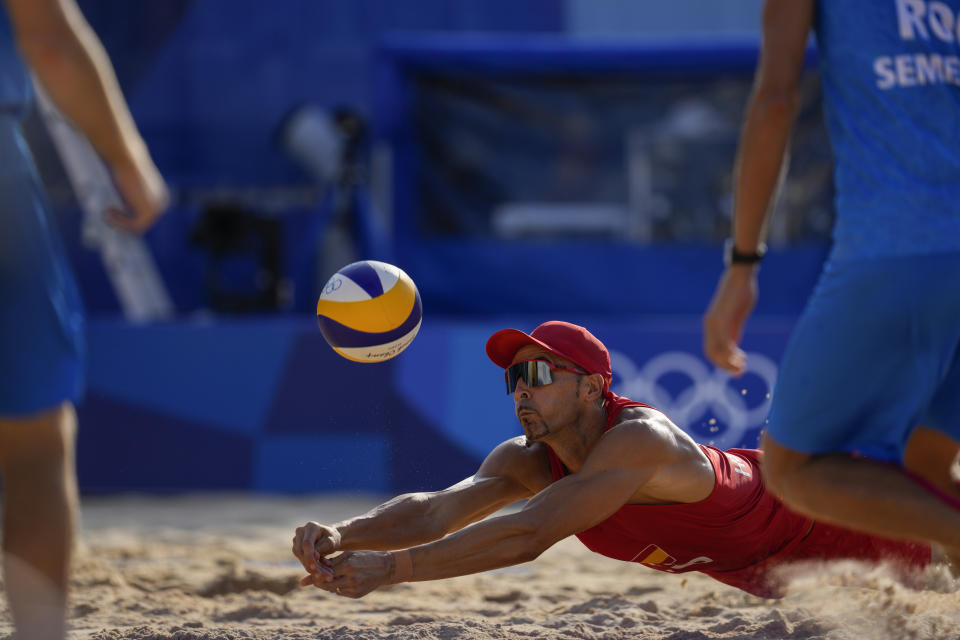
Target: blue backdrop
column 265, row 404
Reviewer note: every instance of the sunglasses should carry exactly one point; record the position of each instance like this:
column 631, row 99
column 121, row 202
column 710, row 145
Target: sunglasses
column 535, row 373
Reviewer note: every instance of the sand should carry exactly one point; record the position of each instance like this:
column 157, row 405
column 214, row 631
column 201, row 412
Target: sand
column 219, row 567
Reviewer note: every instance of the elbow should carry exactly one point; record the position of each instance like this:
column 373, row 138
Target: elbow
column 435, row 521
column 528, row 551
column 57, row 46
column 776, row 102
column 45, row 54
column 521, row 550
column 535, row 541
column 521, row 540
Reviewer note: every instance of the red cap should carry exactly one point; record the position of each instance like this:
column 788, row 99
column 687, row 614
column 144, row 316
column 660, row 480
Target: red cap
column 566, row 340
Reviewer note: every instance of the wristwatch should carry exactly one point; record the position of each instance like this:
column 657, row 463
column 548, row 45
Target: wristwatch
column 732, row 256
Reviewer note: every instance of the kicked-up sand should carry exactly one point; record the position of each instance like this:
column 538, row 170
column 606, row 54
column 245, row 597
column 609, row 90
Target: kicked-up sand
column 219, row 567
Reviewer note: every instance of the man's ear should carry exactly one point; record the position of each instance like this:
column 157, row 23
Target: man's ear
column 594, row 386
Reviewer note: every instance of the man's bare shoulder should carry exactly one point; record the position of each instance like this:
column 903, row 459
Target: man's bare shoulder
column 644, row 414
column 650, row 435
column 646, row 424
column 645, row 437
column 513, row 458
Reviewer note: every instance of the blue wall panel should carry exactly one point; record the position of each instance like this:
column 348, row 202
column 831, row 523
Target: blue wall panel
column 222, row 374
column 319, row 462
column 124, row 447
column 266, row 405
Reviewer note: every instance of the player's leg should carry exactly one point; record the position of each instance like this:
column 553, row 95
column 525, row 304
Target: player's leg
column 39, row 518
column 865, row 363
column 937, row 446
column 863, row 494
column 933, row 455
column 41, row 356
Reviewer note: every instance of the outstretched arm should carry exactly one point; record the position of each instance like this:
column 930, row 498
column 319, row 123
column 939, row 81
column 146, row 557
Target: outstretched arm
column 415, row 518
column 613, row 473
column 760, row 163
column 69, row 61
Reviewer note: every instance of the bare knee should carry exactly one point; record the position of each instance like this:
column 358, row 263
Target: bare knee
column 40, row 495
column 780, row 465
column 38, row 441
column 932, row 455
column 40, row 488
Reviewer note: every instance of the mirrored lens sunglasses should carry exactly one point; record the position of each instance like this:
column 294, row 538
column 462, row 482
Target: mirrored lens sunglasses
column 535, row 373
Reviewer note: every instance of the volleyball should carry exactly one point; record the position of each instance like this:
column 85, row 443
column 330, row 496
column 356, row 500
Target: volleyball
column 369, row 311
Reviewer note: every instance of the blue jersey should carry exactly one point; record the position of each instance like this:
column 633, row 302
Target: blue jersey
column 891, row 82
column 15, row 87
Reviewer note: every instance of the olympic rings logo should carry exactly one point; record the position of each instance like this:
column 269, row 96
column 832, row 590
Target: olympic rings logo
column 703, row 391
column 332, row 285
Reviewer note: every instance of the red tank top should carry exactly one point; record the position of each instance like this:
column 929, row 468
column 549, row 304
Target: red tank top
column 737, row 525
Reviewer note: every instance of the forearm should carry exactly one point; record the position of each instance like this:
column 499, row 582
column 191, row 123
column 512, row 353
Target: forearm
column 491, row 544
column 75, row 71
column 761, row 161
column 399, row 523
column 569, row 505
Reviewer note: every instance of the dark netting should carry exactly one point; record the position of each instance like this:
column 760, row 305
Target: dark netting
column 609, row 156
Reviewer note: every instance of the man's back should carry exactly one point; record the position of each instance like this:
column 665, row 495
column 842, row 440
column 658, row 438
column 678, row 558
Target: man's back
column 891, row 84
column 737, row 534
column 738, row 524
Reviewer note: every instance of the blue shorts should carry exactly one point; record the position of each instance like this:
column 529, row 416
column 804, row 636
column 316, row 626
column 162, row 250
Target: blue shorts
column 875, row 353
column 41, row 316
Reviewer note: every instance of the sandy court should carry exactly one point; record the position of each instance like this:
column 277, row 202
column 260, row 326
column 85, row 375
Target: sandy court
column 219, row 567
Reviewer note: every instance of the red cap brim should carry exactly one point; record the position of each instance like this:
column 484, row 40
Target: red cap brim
column 504, row 344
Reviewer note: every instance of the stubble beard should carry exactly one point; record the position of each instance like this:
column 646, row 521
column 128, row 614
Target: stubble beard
column 532, row 438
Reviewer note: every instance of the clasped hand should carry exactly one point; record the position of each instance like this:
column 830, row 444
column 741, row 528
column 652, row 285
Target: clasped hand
column 353, row 574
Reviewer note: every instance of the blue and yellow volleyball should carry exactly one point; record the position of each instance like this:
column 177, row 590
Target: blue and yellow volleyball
column 369, row 311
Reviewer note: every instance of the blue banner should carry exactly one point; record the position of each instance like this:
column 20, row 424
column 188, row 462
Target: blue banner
column 266, row 405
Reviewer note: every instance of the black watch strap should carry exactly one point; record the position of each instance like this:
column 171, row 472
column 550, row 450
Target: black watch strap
column 732, row 256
